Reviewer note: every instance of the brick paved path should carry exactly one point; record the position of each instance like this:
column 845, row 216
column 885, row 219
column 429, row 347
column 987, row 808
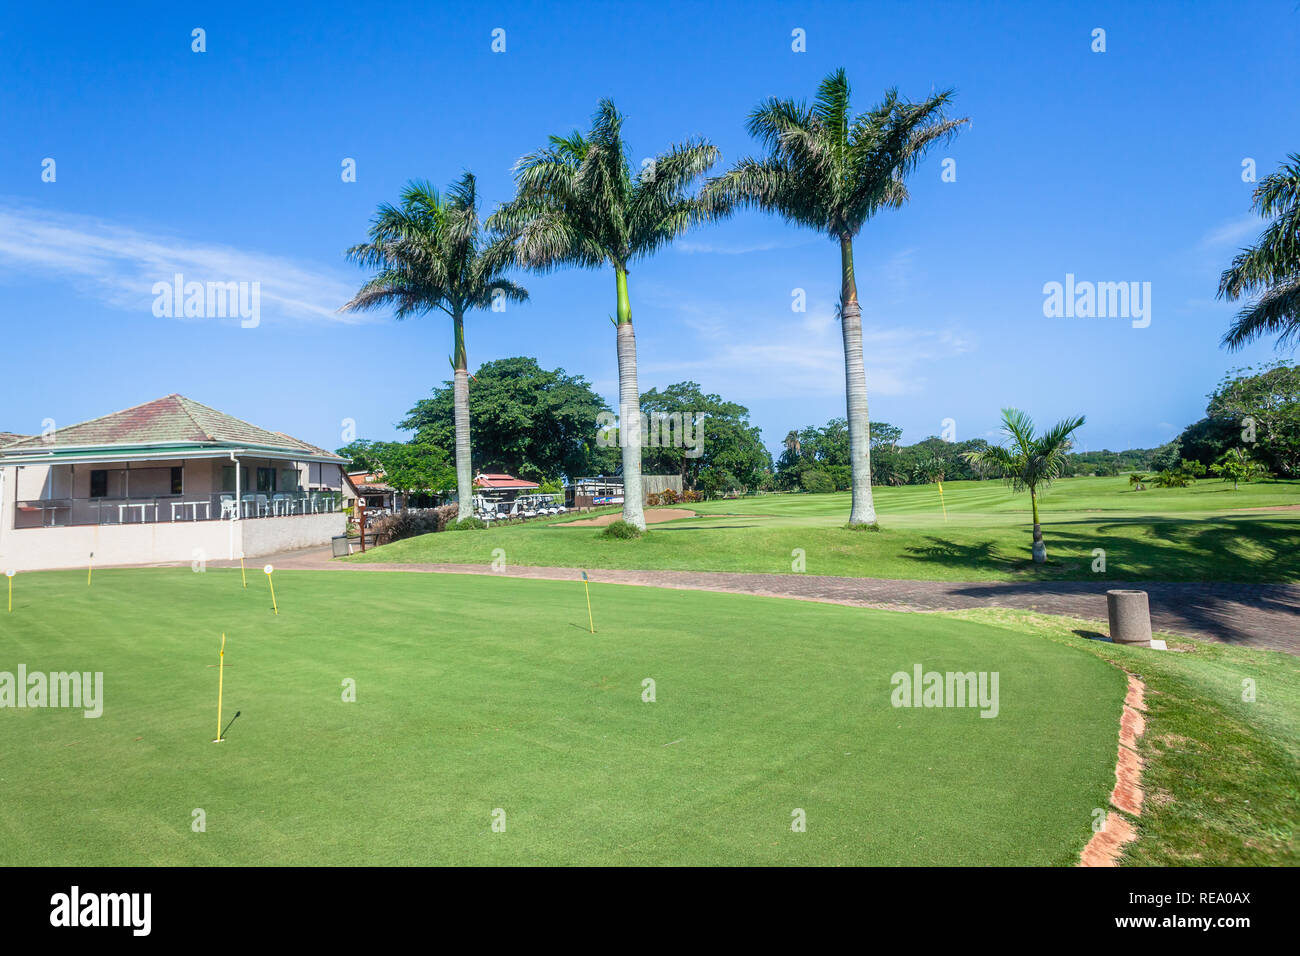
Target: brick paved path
column 1248, row 615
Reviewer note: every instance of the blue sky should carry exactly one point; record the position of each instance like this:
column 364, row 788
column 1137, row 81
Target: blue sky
column 1117, row 166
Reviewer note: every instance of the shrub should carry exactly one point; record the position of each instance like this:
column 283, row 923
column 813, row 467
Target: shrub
column 467, row 524
column 668, row 497
column 1172, row 479
column 817, row 482
column 652, row 500
column 407, row 524
column 621, row 529
column 446, row 515
column 690, row 496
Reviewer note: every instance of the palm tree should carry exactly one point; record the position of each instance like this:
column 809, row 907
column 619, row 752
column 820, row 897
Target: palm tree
column 832, row 171
column 1137, row 480
column 1271, row 270
column 1028, row 462
column 579, row 204
column 429, row 255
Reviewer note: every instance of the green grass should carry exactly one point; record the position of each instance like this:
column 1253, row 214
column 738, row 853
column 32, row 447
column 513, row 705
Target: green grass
column 1222, row 774
column 1203, row 533
column 477, row 693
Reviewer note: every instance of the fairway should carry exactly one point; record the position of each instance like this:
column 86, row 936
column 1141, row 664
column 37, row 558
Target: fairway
column 475, row 694
column 1207, row 532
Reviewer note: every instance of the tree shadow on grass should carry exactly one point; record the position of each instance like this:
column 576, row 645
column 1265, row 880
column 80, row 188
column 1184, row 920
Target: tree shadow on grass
column 1211, row 549
column 950, row 554
column 1196, row 575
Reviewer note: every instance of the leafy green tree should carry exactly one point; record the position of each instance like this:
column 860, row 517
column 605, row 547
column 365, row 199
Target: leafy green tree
column 407, row 466
column 1167, row 456
column 578, row 203
column 816, row 481
column 831, row 170
column 1137, row 480
column 1235, row 465
column 531, row 422
column 429, row 256
column 1262, row 408
column 885, row 435
column 362, row 455
column 691, row 432
column 1028, row 461
column 1270, row 270
column 416, row 467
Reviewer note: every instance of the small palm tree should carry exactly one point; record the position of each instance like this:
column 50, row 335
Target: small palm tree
column 1137, row 480
column 832, row 171
column 1028, row 461
column 1171, row 478
column 579, row 204
column 1270, row 270
column 429, row 255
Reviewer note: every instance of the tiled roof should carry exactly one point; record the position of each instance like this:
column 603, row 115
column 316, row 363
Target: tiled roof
column 8, row 438
column 502, row 481
column 174, row 419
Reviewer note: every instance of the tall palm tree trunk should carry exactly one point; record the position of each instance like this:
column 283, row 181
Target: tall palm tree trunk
column 460, row 391
column 1040, row 547
column 863, row 511
column 629, row 408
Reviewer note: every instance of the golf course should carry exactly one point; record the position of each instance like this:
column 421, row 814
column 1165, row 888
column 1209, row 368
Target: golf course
column 1204, row 532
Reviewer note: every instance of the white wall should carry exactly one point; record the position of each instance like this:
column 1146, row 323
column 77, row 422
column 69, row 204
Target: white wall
column 38, row 549
column 269, row 535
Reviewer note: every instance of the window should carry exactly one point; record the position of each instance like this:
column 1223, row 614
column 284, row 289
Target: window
column 99, row 483
column 289, row 479
column 178, row 480
column 228, row 478
column 265, row 480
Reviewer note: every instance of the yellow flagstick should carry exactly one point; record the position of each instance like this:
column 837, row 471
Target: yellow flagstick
column 90, row 568
column 10, row 575
column 242, row 575
column 221, row 681
column 268, row 569
column 587, row 587
column 941, row 504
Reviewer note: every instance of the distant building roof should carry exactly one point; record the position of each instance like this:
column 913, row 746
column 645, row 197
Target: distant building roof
column 500, row 482
column 368, row 482
column 171, row 421
column 8, row 438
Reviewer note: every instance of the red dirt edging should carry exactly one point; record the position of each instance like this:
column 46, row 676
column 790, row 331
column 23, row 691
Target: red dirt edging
column 1107, row 844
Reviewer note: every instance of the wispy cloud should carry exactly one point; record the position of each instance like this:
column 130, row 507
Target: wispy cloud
column 692, row 247
column 1232, row 233
column 119, row 265
column 754, row 355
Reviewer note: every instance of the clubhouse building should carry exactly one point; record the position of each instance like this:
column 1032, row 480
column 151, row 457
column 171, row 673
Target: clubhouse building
column 165, row 482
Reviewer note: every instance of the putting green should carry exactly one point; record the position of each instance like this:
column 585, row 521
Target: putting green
column 475, row 694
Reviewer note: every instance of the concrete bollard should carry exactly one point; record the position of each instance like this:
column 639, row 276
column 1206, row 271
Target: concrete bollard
column 1130, row 617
